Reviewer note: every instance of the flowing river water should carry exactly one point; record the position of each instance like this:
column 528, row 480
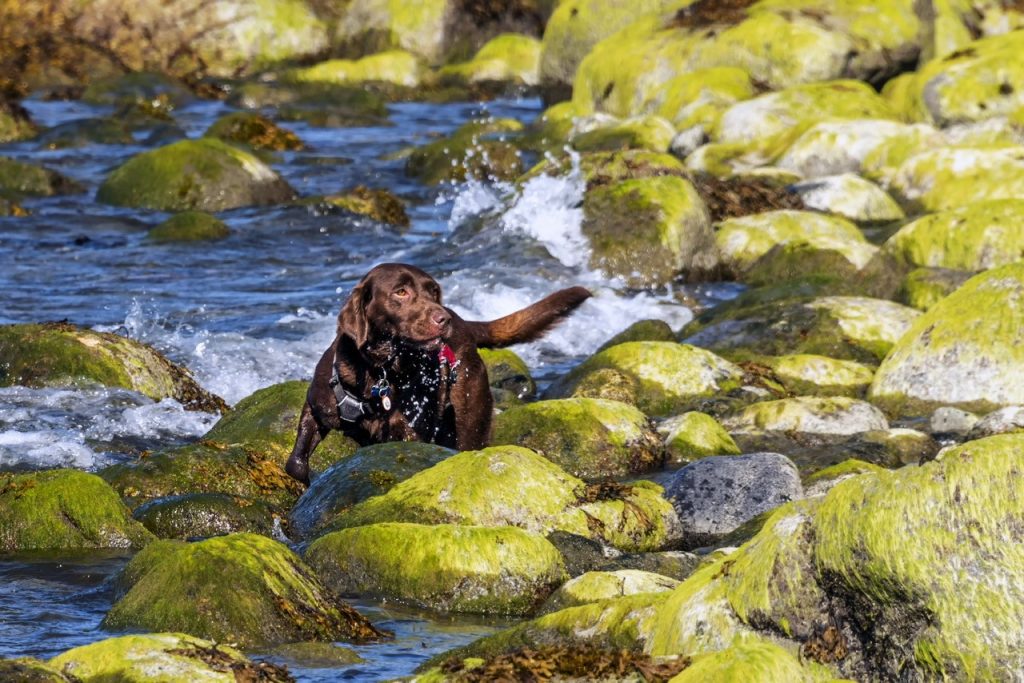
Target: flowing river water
column 259, row 308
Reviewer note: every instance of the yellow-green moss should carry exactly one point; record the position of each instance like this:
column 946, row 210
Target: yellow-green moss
column 754, row 660
column 699, row 96
column 379, row 204
column 692, row 436
column 447, row 568
column 61, row 354
column 508, row 372
column 202, row 515
column 814, row 375
column 64, row 510
column 595, row 586
column 832, row 147
column 369, row 26
column 833, row 474
column 808, row 415
column 924, row 287
column 644, row 132
column 242, row 588
column 510, row 58
column 952, row 177
column 189, row 226
column 850, row 196
column 204, row 174
column 15, row 125
column 396, row 67
column 254, row 131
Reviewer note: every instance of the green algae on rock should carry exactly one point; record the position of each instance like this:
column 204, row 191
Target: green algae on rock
column 975, row 237
column 28, row 670
column 446, row 567
column 23, row 178
column 806, row 415
column 61, row 354
column 507, row 372
column 663, row 377
column 945, row 178
column 510, row 59
column 964, row 352
column 379, row 204
column 99, row 131
column 595, row 586
column 202, row 515
column 395, row 67
column 204, row 174
column 242, row 588
column 692, row 436
column 189, row 226
column 752, row 660
column 162, row 658
column 369, row 26
column 922, row 288
column 813, row 375
column 254, row 131
column 649, row 329
column 822, row 481
column 312, row 655
column 589, row 438
column 64, row 510
column 15, row 123
column 477, row 149
column 646, row 132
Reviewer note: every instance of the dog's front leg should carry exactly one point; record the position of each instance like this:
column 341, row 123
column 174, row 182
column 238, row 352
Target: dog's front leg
column 306, row 440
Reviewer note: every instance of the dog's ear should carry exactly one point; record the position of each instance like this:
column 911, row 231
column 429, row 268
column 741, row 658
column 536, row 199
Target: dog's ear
column 352, row 320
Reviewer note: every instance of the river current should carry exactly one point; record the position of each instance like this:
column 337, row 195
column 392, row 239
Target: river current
column 259, row 308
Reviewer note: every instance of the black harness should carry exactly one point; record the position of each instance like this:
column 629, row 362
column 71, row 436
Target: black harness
column 350, row 407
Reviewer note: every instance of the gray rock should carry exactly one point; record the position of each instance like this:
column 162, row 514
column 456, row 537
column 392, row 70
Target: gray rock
column 951, row 421
column 715, row 495
column 1002, row 421
column 581, row 554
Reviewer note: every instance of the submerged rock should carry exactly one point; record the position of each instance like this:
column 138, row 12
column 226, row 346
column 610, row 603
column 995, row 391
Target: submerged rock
column 596, row 586
column 202, row 515
column 241, row 588
column 253, row 131
column 590, row 438
column 28, row 670
column 23, row 178
column 189, row 226
column 61, row 354
column 446, row 568
column 163, row 657
column 660, row 378
column 64, row 510
column 477, row 150
column 83, row 132
column 716, row 495
column 139, row 88
column 379, row 204
column 964, row 352
column 204, row 174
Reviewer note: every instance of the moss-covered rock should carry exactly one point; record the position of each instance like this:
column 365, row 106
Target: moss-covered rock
column 596, row 586
column 28, row 670
column 850, row 196
column 963, row 352
column 696, row 99
column 15, row 123
column 64, row 510
column 202, row 515
column 61, row 354
column 835, row 147
column 310, row 655
column 975, row 237
column 139, row 87
column 161, row 658
column 323, row 104
column 812, row 375
column 822, row 481
column 647, row 132
column 506, row 372
column 204, row 174
column 808, row 415
column 692, row 436
column 755, row 660
column 189, row 226
column 951, row 177
column 660, row 378
column 81, row 132
column 922, row 288
column 510, row 59
column 642, row 330
column 242, row 588
column 589, row 438
column 369, row 471
column 512, row 486
column 447, row 568
column 844, row 327
column 370, row 26
column 378, row 204
column 600, row 169
column 29, row 179
column 254, row 131
column 478, row 149
column 395, row 67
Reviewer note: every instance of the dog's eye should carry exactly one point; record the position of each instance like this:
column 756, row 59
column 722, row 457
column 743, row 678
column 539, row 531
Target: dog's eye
column 401, row 292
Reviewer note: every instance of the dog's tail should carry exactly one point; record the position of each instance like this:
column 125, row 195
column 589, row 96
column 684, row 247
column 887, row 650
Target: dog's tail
column 529, row 323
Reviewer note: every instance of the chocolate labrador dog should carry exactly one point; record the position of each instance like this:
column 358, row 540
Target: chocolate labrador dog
column 405, row 368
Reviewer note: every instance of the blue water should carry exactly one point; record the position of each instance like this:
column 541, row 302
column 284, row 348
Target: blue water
column 255, row 309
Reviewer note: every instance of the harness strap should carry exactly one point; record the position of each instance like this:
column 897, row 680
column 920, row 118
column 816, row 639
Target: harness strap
column 350, row 408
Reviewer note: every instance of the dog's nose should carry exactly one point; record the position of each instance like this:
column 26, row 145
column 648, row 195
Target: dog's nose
column 441, row 318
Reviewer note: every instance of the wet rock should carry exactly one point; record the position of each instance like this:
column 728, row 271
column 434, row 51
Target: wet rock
column 963, row 352
column 64, row 510
column 1002, row 421
column 836, row 147
column 204, row 175
column 660, row 378
column 512, row 486
column 10, row 207
column 924, row 287
column 322, row 104
column 27, row 670
column 368, row 472
column 647, row 132
column 189, row 226
column 692, row 436
column 975, row 237
column 590, row 438
column 600, row 169
column 202, row 515
column 395, row 67
column 253, row 131
column 850, row 196
column 642, row 330
column 15, row 123
column 807, row 415
column 317, row 655
column 509, row 60
column 142, row 87
column 507, row 372
column 812, row 375
column 579, row 553
column 84, row 132
column 241, row 588
column 446, row 568
column 478, row 149
column 23, row 178
column 844, row 327
column 61, row 354
column 596, row 586
column 574, row 29
column 162, row 657
column 715, row 495
column 550, row 131
column 378, row 204
column 951, row 177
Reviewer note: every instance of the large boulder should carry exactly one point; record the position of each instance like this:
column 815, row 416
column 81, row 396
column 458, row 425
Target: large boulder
column 946, row 178
column 922, row 288
column 241, row 588
column 61, row 354
column 161, row 658
column 64, row 510
column 964, row 352
column 204, row 174
column 975, row 237
column 590, row 438
column 660, row 378
column 446, row 567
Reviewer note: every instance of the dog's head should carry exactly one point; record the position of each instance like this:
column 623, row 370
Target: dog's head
column 399, row 302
